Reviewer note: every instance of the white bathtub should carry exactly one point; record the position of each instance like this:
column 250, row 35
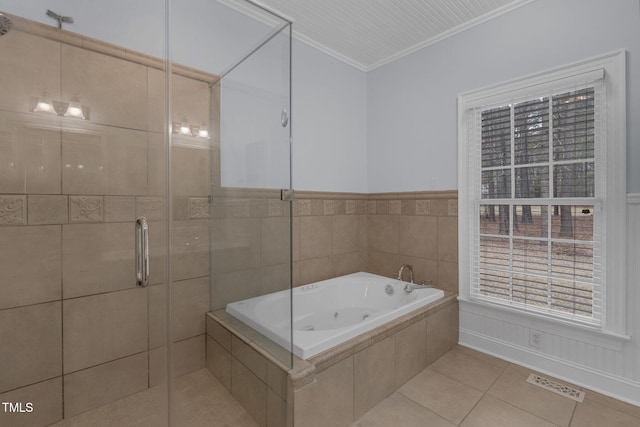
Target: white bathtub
column 330, row 312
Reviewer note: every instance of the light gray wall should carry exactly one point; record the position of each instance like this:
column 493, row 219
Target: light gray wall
column 329, row 123
column 411, row 103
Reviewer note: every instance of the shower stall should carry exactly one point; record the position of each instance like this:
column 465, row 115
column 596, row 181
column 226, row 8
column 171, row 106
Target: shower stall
column 145, row 158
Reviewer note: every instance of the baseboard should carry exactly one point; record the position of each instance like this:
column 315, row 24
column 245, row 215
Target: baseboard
column 604, row 383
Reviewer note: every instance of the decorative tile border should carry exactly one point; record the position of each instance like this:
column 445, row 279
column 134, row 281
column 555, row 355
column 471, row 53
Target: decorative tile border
column 86, row 209
column 13, row 210
column 198, row 207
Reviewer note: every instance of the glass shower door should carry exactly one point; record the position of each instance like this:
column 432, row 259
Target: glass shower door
column 82, row 157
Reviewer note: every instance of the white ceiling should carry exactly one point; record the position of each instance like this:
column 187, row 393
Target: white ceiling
column 370, row 33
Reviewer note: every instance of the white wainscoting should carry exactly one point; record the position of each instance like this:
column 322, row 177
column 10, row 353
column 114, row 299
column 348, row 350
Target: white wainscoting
column 607, row 364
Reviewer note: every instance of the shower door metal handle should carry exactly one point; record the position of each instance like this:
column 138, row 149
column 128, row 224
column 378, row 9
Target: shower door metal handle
column 142, row 252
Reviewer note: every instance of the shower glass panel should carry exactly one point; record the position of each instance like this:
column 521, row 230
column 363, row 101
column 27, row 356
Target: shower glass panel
column 231, row 232
column 82, row 153
column 250, row 222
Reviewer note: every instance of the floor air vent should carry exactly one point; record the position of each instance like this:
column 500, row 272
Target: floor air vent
column 556, row 387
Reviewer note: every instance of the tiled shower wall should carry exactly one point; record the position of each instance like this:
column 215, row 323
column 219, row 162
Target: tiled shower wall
column 72, row 321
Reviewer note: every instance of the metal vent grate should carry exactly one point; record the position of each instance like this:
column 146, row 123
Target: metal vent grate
column 556, row 387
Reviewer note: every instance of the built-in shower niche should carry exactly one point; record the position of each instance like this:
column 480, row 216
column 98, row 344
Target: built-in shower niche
column 77, row 333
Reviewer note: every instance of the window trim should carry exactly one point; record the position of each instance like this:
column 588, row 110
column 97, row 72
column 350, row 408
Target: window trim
column 613, row 65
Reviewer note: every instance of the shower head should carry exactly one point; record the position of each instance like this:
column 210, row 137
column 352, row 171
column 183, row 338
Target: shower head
column 5, row 25
column 60, row 18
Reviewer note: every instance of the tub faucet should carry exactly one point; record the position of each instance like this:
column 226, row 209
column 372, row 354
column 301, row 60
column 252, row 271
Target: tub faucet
column 423, row 285
column 410, row 268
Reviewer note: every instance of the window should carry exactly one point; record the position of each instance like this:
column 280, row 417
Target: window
column 542, row 191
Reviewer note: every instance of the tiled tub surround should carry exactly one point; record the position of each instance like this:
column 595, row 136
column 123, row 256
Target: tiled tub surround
column 337, row 386
column 75, row 331
column 341, row 233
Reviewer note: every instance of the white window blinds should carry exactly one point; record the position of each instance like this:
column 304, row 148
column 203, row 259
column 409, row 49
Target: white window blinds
column 537, row 181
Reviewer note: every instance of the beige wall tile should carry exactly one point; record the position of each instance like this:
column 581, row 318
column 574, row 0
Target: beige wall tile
column 315, row 237
column 36, row 331
column 156, row 99
column 221, row 335
column 374, row 375
column 236, row 244
column 219, row 362
column 104, row 383
column 275, row 278
column 383, row 264
column 345, row 234
column 198, row 207
column 104, row 327
column 249, row 358
column 295, row 237
column 423, row 207
column 190, row 168
column 157, row 252
column 346, row 263
column 383, row 233
column 97, row 258
column 439, row 207
column 276, row 240
column 423, row 269
column 189, row 305
column 113, row 89
column 419, row 236
column 315, row 270
column 440, row 333
column 331, row 395
column 448, row 239
column 189, row 355
column 104, row 160
column 410, row 351
column 395, row 207
column 447, row 276
column 86, row 209
column 156, row 163
column 13, row 210
column 157, row 316
column 249, row 391
column 119, row 208
column 48, row 210
column 30, row 64
column 277, row 379
column 181, row 208
column 234, row 286
column 29, row 154
column 190, row 100
column 190, row 256
column 46, row 398
column 276, row 410
column 153, row 208
column 25, row 282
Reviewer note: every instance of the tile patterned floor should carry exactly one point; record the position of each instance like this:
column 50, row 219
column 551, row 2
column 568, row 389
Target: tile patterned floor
column 463, row 388
column 200, row 400
column 471, row 389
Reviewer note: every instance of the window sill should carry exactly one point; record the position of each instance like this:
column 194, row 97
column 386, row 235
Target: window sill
column 591, row 335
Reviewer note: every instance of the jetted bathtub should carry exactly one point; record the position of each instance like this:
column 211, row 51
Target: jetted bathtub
column 330, row 312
